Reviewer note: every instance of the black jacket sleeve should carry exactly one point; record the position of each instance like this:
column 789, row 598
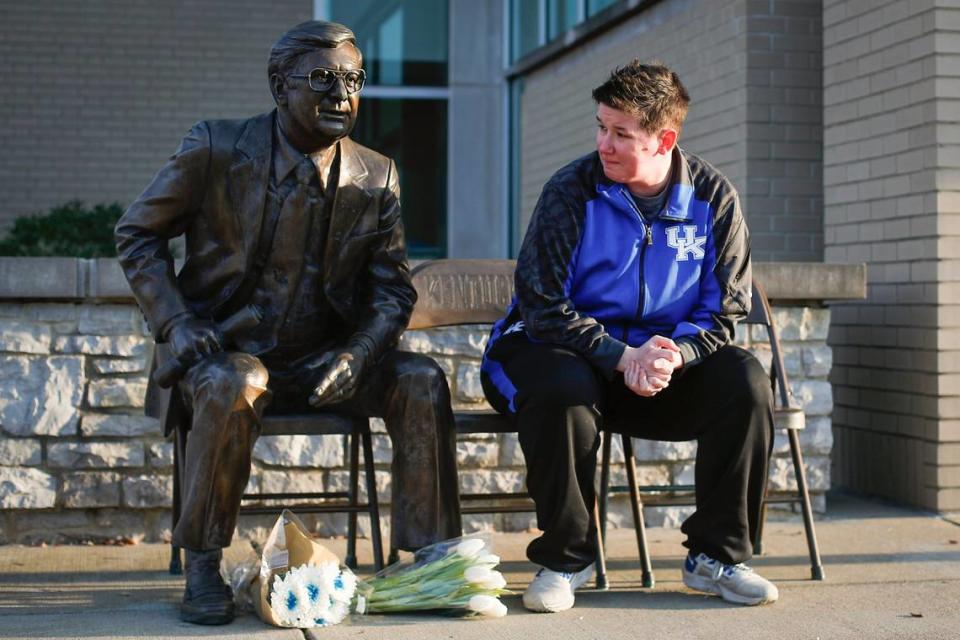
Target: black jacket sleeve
column 541, row 282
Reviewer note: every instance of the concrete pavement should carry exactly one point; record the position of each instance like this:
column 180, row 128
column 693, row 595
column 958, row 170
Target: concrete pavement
column 891, row 573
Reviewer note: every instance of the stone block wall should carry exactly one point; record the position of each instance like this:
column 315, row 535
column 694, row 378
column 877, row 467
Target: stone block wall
column 79, row 461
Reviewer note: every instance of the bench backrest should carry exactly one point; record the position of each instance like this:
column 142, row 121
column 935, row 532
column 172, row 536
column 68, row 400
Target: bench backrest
column 455, row 292
column 452, row 292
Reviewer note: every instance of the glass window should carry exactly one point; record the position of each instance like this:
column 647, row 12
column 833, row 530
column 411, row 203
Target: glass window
column 404, row 42
column 596, row 6
column 561, row 16
column 407, row 131
column 403, row 106
column 534, row 23
column 525, row 27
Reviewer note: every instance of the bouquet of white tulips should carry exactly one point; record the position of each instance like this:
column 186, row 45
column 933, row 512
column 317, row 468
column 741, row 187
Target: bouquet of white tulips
column 297, row 582
column 458, row 574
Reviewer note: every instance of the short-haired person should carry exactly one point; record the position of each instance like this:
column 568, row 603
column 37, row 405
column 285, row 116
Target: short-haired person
column 631, row 278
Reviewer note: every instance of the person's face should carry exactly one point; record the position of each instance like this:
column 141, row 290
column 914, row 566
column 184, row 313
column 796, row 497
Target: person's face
column 320, row 119
column 629, row 154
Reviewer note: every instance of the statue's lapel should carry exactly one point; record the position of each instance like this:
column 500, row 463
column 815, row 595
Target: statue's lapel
column 351, row 200
column 249, row 176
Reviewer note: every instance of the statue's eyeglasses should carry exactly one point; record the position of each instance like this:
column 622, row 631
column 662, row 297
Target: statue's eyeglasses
column 322, row 80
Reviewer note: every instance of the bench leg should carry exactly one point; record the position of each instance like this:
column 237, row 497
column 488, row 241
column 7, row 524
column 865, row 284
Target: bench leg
column 816, row 567
column 602, row 583
column 372, row 501
column 604, row 482
column 758, row 540
column 353, row 492
column 179, row 449
column 637, row 506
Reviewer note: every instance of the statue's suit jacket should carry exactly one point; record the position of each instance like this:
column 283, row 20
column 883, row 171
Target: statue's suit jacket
column 212, row 190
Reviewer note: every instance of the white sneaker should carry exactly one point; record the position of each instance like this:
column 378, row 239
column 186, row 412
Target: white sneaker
column 552, row 591
column 733, row 582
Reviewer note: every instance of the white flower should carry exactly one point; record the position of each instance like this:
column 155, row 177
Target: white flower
column 315, row 585
column 484, row 577
column 313, row 596
column 288, row 600
column 487, row 606
column 344, row 586
column 338, row 611
column 488, row 558
column 494, row 582
column 470, row 547
column 477, row 574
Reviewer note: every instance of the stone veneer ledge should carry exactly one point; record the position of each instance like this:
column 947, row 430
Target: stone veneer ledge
column 79, row 461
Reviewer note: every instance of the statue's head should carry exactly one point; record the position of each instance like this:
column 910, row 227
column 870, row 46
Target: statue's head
column 316, row 74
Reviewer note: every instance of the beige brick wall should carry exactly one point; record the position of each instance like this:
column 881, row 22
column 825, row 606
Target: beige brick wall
column 97, row 94
column 558, row 116
column 752, row 68
column 891, row 180
column 784, row 129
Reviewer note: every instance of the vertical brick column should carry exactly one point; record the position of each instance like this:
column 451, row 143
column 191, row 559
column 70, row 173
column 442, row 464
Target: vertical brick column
column 891, row 197
column 783, row 199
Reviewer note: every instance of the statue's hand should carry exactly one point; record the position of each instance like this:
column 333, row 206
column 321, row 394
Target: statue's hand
column 337, row 373
column 193, row 339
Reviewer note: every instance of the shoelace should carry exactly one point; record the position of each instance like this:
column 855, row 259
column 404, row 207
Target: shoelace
column 725, row 569
column 730, row 569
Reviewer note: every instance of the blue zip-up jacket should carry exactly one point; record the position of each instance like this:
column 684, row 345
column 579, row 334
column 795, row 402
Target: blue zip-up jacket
column 593, row 276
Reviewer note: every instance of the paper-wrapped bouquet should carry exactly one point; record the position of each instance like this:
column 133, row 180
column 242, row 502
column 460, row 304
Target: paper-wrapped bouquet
column 298, row 582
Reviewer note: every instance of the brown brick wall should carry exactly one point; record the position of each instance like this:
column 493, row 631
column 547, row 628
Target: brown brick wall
column 97, row 94
column 891, row 159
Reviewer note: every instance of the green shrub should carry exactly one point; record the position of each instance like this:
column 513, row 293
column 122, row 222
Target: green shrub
column 68, row 230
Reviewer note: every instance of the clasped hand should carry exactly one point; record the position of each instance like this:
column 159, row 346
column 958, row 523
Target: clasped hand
column 192, row 339
column 647, row 369
column 337, row 373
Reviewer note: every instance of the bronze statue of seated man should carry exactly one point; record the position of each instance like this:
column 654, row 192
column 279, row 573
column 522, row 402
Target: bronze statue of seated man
column 284, row 214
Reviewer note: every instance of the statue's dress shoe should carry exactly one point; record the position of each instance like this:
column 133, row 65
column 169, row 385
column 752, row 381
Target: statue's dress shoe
column 207, row 598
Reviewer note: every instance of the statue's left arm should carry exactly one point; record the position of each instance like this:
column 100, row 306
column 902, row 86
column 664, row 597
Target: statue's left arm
column 387, row 292
column 385, row 301
column 165, row 209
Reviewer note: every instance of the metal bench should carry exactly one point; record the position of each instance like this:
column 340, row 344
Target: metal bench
column 325, row 423
column 457, row 292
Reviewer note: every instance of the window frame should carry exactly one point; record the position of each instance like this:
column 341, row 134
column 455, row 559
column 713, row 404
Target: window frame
column 321, row 11
column 550, row 47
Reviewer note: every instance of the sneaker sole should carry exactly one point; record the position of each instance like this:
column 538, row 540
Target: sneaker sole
column 706, row 585
column 542, row 608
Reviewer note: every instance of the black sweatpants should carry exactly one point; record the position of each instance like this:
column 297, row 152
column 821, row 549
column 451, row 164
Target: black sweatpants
column 560, row 403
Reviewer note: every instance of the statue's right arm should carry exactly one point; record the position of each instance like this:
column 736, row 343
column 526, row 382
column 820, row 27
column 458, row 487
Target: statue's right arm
column 164, row 210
